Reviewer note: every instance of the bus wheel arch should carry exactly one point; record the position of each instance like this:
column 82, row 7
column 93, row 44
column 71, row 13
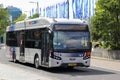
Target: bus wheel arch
column 36, row 61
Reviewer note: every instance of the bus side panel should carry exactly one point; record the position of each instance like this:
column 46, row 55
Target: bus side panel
column 17, row 52
column 27, row 55
column 30, row 55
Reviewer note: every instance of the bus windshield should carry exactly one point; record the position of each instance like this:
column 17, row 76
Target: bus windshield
column 71, row 40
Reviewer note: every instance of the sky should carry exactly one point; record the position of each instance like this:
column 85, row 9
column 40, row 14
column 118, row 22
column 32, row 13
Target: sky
column 26, row 6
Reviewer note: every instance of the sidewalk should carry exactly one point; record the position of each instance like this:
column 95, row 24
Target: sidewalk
column 105, row 63
column 2, row 46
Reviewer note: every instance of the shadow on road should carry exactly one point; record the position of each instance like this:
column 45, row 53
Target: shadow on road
column 79, row 71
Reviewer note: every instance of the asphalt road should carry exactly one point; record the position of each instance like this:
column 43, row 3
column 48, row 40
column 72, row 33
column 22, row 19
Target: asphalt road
column 78, row 73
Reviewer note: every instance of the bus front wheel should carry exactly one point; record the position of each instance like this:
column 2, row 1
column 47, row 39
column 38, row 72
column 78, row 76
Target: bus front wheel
column 36, row 62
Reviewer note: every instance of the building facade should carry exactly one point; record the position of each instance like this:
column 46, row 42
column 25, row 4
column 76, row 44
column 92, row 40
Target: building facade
column 81, row 9
column 14, row 12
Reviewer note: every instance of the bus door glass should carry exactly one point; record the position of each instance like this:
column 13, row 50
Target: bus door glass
column 45, row 48
column 21, row 43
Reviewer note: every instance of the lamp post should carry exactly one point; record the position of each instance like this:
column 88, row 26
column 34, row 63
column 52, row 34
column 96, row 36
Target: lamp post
column 37, row 6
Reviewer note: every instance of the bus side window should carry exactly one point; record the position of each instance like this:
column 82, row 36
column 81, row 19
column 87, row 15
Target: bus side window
column 36, row 35
column 11, row 39
column 37, row 42
column 29, row 41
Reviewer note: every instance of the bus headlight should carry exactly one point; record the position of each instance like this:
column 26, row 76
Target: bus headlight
column 51, row 54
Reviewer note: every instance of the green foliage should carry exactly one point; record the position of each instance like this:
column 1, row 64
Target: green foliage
column 34, row 16
column 21, row 18
column 4, row 19
column 105, row 25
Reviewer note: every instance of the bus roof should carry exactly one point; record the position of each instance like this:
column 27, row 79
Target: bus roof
column 41, row 23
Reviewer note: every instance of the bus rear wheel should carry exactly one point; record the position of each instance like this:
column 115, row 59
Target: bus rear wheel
column 36, row 62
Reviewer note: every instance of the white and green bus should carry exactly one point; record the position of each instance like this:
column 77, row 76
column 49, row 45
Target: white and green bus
column 50, row 42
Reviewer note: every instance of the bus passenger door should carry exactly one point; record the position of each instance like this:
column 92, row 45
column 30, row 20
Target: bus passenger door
column 45, row 48
column 22, row 47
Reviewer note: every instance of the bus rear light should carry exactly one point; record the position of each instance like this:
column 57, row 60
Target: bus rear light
column 87, row 55
column 51, row 54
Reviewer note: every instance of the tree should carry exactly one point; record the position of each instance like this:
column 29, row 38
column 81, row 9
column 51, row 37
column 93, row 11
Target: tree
column 105, row 25
column 34, row 16
column 21, row 18
column 4, row 19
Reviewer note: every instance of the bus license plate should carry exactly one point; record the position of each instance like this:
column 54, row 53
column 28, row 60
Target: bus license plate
column 72, row 64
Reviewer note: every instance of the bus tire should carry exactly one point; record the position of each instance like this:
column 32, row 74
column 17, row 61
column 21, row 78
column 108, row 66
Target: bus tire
column 36, row 62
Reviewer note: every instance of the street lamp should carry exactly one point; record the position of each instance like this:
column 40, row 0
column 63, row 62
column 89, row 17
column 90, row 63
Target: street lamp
column 37, row 5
